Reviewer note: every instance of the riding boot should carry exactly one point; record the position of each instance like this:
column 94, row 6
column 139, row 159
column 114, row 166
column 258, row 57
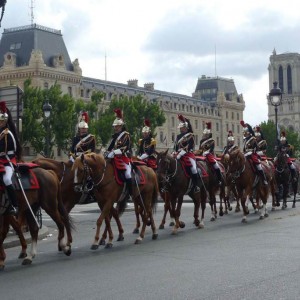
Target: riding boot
column 293, row 173
column 128, row 182
column 12, row 199
column 219, row 176
column 195, row 178
column 263, row 176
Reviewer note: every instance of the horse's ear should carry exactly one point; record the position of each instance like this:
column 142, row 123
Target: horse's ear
column 166, row 152
column 82, row 157
column 93, row 156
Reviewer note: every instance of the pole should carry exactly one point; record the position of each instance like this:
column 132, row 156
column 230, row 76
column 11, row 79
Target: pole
column 276, row 109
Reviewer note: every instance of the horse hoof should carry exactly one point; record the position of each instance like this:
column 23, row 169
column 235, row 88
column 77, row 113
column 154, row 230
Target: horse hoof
column 181, row 224
column 212, row 219
column 226, row 212
column 120, row 238
column 221, row 214
column 171, row 224
column 201, row 226
column 22, row 255
column 266, row 215
column 136, row 231
column 59, row 248
column 230, row 208
column 102, row 242
column 108, row 246
column 27, row 261
column 273, row 208
column 148, row 222
column 197, row 223
column 244, row 221
column 294, row 206
column 68, row 252
column 94, row 247
column 237, row 210
column 161, row 226
column 154, row 236
column 261, row 217
column 174, row 232
column 138, row 241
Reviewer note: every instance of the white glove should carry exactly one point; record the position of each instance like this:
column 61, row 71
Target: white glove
column 71, row 159
column 144, row 156
column 260, row 153
column 181, row 153
column 248, row 153
column 111, row 154
column 117, row 152
column 205, row 153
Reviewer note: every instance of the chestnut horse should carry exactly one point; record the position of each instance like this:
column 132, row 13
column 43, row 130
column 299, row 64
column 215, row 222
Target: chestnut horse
column 247, row 182
column 172, row 178
column 48, row 197
column 107, row 191
column 70, row 198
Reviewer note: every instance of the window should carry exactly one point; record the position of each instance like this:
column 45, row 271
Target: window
column 173, row 137
column 46, row 85
column 232, row 127
column 237, row 116
column 226, row 114
column 81, row 93
column 280, row 77
column 232, row 115
column 161, row 137
column 173, row 122
column 196, row 124
column 227, row 127
column 70, row 91
column 196, row 139
column 289, row 80
column 218, row 141
column 217, row 126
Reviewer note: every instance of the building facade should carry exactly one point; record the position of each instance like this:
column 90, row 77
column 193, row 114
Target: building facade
column 39, row 53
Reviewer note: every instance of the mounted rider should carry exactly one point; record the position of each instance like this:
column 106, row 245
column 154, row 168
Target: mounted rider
column 230, row 146
column 261, row 142
column 207, row 145
column 184, row 147
column 250, row 150
column 285, row 148
column 10, row 153
column 120, row 147
column 147, row 146
column 83, row 142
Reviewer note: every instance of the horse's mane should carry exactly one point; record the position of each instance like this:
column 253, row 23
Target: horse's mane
column 89, row 157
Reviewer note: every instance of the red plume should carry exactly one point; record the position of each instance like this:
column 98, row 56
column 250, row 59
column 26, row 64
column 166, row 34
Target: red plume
column 243, row 123
column 181, row 118
column 85, row 117
column 147, row 122
column 208, row 125
column 118, row 113
column 3, row 106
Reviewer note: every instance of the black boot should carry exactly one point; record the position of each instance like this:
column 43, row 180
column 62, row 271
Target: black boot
column 129, row 186
column 293, row 173
column 219, row 176
column 263, row 176
column 12, row 199
column 195, row 178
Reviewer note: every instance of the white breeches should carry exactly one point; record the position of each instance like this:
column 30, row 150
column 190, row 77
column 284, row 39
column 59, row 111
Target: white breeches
column 292, row 166
column 193, row 167
column 216, row 166
column 128, row 171
column 259, row 167
column 8, row 175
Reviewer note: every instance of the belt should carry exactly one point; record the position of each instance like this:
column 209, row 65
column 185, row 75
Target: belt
column 7, row 153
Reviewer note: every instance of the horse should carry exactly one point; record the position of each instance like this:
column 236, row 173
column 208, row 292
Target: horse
column 248, row 183
column 107, row 191
column 283, row 179
column 47, row 196
column 70, row 198
column 171, row 176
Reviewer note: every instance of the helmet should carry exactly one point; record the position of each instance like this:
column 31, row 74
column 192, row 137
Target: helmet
column 83, row 120
column 119, row 117
column 207, row 128
column 247, row 129
column 146, row 128
column 182, row 122
column 3, row 111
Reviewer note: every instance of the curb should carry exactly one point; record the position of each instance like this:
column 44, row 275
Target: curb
column 13, row 239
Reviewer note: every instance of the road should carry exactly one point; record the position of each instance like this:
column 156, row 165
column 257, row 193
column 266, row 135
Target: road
column 225, row 260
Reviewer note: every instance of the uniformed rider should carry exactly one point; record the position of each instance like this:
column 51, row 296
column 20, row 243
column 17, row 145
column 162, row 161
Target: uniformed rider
column 83, row 142
column 261, row 142
column 10, row 153
column 230, row 146
column 207, row 146
column 147, row 146
column 250, row 150
column 120, row 146
column 184, row 147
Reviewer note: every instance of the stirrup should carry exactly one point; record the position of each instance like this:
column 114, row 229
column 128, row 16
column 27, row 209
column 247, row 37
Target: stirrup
column 196, row 189
column 11, row 210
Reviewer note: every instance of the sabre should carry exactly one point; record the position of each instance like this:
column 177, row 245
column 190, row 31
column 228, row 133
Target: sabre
column 22, row 189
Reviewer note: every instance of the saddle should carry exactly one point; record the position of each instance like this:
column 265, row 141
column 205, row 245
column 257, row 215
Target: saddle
column 186, row 166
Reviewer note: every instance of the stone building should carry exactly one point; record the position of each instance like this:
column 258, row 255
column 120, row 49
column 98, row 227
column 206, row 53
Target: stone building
column 40, row 53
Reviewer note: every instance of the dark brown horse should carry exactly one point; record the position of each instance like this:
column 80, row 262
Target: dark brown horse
column 48, row 197
column 70, row 198
column 248, row 183
column 172, row 178
column 107, row 191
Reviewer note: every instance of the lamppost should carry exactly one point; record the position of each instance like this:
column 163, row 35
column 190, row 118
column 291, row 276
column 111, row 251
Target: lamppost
column 47, row 107
column 275, row 97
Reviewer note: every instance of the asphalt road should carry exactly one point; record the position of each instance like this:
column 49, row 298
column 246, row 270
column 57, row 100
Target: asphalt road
column 225, row 260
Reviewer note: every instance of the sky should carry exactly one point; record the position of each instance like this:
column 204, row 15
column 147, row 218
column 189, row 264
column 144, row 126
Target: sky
column 171, row 42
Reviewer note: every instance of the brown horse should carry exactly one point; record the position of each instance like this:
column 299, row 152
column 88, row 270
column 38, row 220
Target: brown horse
column 70, row 198
column 107, row 191
column 48, row 197
column 248, row 183
column 172, row 178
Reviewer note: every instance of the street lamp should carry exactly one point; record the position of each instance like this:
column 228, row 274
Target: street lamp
column 47, row 107
column 275, row 97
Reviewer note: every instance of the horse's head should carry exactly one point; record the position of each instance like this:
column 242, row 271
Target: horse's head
column 281, row 161
column 236, row 162
column 166, row 165
column 85, row 168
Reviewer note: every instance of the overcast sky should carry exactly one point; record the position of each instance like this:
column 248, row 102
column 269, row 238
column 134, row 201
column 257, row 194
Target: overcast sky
column 172, row 42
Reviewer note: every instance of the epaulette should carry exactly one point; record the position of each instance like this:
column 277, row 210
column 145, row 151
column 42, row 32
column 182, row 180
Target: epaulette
column 153, row 142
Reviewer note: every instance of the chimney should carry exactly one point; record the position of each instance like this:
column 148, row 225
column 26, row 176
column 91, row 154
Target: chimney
column 132, row 82
column 149, row 86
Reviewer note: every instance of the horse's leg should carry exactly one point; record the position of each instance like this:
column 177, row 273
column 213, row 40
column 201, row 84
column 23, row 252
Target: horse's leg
column 166, row 209
column 203, row 197
column 136, row 230
column 285, row 195
column 295, row 188
column 145, row 209
column 178, row 211
column 116, row 216
column 212, row 203
column 4, row 227
column 109, row 244
column 16, row 226
column 196, row 199
column 244, row 206
column 174, row 204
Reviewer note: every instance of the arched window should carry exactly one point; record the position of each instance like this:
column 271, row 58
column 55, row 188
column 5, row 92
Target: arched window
column 289, row 80
column 280, row 78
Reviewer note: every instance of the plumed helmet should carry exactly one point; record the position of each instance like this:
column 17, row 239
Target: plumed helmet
column 282, row 136
column 83, row 120
column 182, row 122
column 246, row 127
column 146, row 128
column 257, row 131
column 207, row 128
column 3, row 111
column 230, row 136
column 119, row 117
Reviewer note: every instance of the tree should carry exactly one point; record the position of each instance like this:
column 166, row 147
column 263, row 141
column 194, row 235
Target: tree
column 135, row 110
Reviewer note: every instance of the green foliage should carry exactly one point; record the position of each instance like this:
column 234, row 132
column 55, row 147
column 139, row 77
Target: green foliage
column 135, row 110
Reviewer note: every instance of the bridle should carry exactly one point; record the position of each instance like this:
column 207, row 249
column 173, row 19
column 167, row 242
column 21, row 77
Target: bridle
column 282, row 164
column 169, row 175
column 237, row 173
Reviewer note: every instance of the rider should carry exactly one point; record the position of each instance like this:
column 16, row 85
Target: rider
column 147, row 146
column 230, row 144
column 250, row 148
column 120, row 146
column 261, row 142
column 83, row 142
column 207, row 145
column 10, row 153
column 285, row 147
column 184, row 147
